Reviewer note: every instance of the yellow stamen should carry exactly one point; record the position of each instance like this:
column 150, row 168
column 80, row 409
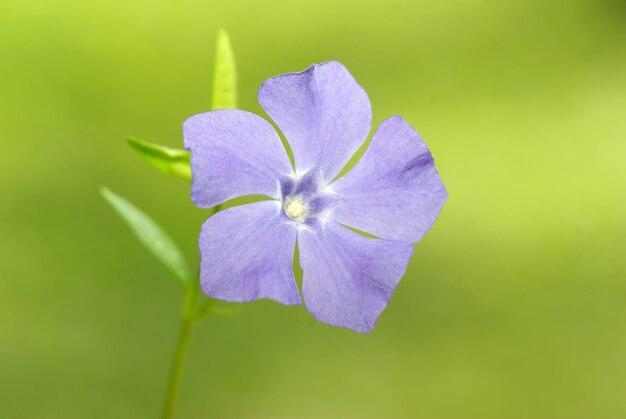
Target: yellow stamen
column 296, row 209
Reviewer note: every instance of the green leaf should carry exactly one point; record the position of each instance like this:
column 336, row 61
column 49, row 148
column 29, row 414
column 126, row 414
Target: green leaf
column 224, row 74
column 168, row 160
column 153, row 237
column 221, row 308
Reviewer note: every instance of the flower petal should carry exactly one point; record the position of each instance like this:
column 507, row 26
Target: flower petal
column 233, row 153
column 349, row 278
column 394, row 191
column 247, row 253
column 322, row 111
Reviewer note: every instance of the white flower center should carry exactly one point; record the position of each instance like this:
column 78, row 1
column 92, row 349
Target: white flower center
column 296, row 209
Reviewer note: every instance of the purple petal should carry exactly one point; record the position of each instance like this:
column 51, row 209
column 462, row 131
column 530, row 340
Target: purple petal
column 247, row 253
column 394, row 191
column 322, row 111
column 349, row 278
column 233, row 153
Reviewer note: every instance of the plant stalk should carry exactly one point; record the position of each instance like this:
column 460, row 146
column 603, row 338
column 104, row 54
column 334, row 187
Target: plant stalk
column 180, row 356
column 190, row 315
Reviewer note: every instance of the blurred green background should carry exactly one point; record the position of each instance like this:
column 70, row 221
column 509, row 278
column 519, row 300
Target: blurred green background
column 514, row 303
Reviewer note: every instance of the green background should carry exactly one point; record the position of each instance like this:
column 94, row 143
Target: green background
column 514, row 303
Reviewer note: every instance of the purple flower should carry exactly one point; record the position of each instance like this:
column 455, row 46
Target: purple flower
column 393, row 192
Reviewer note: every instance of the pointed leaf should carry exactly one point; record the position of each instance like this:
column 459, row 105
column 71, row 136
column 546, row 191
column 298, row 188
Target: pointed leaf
column 223, row 308
column 224, row 74
column 214, row 306
column 168, row 160
column 153, row 237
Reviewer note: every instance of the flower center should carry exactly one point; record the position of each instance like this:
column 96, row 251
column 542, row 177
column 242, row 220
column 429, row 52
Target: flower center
column 296, row 209
column 306, row 198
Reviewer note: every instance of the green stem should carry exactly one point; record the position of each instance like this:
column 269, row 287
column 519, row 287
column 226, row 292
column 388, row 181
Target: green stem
column 190, row 316
column 180, row 356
